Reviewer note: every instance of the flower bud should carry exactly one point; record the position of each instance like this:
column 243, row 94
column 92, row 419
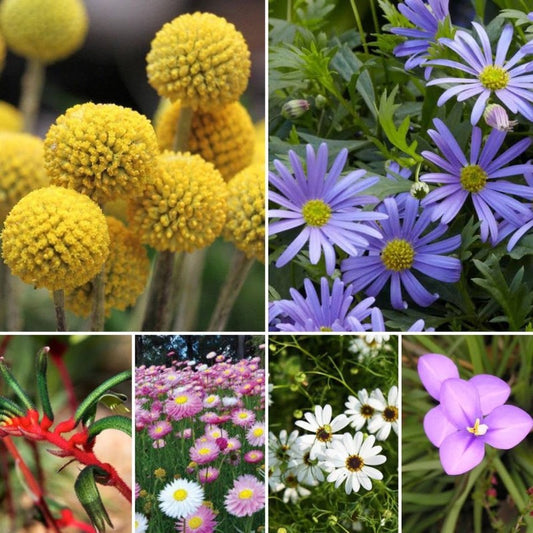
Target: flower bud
column 496, row 117
column 294, row 109
column 419, row 190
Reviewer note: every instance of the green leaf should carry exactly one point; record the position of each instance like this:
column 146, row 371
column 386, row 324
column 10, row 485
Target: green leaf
column 115, row 401
column 15, row 387
column 87, row 493
column 10, row 408
column 87, row 407
column 120, row 423
column 42, row 385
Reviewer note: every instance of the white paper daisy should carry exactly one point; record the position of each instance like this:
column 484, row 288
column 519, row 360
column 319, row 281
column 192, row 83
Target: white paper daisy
column 351, row 460
column 141, row 523
column 323, row 427
column 386, row 416
column 180, row 498
column 358, row 410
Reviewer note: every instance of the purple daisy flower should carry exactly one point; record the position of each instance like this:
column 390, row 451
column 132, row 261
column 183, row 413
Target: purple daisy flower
column 476, row 177
column 327, row 206
column 470, row 414
column 511, row 83
column 402, row 250
column 329, row 312
column 426, row 17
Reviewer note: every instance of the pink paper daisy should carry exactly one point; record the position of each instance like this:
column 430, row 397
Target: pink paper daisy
column 243, row 417
column 201, row 521
column 253, row 456
column 208, row 474
column 183, row 404
column 204, row 452
column 246, row 497
column 256, row 434
column 159, row 429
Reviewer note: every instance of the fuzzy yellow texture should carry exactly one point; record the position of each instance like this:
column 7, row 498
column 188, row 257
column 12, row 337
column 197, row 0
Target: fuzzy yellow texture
column 200, row 59
column 185, row 208
column 10, row 118
column 105, row 151
column 55, row 238
column 21, row 168
column 245, row 223
column 46, row 30
column 126, row 272
column 224, row 137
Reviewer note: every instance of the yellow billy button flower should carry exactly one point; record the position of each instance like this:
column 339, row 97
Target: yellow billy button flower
column 10, row 118
column 222, row 136
column 185, row 208
column 245, row 225
column 126, row 273
column 200, row 59
column 55, row 238
column 260, row 142
column 21, row 168
column 47, row 30
column 105, row 151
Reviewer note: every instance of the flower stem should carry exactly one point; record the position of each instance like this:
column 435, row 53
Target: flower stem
column 32, row 90
column 508, row 482
column 450, row 523
column 359, row 25
column 33, row 485
column 183, row 129
column 10, row 317
column 238, row 270
column 98, row 311
column 59, row 304
column 157, row 311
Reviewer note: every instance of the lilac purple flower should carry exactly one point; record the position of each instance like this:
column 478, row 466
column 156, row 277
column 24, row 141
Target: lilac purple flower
column 402, row 250
column 510, row 82
column 477, row 177
column 426, row 18
column 329, row 311
column 328, row 207
column 470, row 414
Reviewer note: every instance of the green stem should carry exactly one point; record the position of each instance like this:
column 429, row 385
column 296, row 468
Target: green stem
column 98, row 311
column 450, row 522
column 10, row 317
column 359, row 26
column 59, row 304
column 183, row 129
column 32, row 90
column 239, row 268
column 509, row 483
column 157, row 311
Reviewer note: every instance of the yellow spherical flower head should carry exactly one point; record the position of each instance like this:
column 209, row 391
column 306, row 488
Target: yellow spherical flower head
column 10, row 118
column 105, row 151
column 55, row 238
column 47, row 30
column 185, row 208
column 224, row 137
column 126, row 272
column 21, row 168
column 200, row 59
column 245, row 224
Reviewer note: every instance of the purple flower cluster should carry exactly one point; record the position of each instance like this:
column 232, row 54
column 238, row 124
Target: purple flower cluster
column 471, row 413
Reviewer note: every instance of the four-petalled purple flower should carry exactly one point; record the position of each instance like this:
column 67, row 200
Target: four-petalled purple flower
column 470, row 414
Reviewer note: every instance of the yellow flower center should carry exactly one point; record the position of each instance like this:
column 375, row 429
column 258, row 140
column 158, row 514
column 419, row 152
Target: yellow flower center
column 398, row 255
column 136, row 524
column 325, row 328
column 180, row 495
column 195, row 522
column 494, row 78
column 243, row 416
column 354, row 463
column 473, row 178
column 324, row 433
column 204, row 451
column 246, row 494
column 258, row 432
column 158, row 429
column 478, row 429
column 181, row 399
column 316, row 213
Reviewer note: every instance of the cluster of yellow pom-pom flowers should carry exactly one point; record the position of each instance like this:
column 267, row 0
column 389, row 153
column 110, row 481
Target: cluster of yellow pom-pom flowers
column 197, row 176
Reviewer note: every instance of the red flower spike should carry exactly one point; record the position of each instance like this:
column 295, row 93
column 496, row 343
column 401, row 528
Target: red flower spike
column 65, row 427
column 46, row 423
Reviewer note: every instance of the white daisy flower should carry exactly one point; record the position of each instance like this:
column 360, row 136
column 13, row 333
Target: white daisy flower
column 308, row 471
column 141, row 523
column 351, row 460
column 279, row 447
column 386, row 416
column 180, row 498
column 293, row 490
column 274, row 479
column 323, row 427
column 358, row 410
